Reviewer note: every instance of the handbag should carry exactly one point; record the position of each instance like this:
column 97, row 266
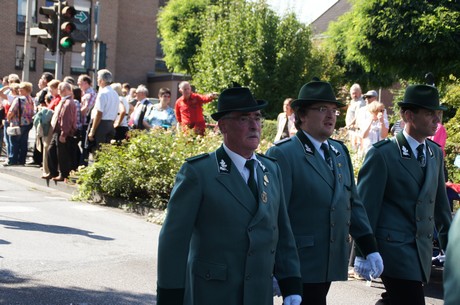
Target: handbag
column 13, row 130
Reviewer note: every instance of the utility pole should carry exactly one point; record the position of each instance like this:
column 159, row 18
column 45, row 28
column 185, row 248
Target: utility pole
column 96, row 42
column 58, row 66
column 26, row 52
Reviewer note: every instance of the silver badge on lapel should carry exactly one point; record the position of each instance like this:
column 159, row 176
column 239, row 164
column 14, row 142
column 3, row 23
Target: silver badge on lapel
column 334, row 149
column 223, row 166
column 405, row 152
column 261, row 165
column 264, row 197
column 266, row 182
column 308, row 149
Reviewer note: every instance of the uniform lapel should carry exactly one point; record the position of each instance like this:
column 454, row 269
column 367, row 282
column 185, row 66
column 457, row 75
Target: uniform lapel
column 315, row 160
column 409, row 160
column 232, row 180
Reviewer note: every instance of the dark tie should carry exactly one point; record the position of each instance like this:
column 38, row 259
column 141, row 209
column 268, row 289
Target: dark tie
column 420, row 156
column 327, row 156
column 252, row 181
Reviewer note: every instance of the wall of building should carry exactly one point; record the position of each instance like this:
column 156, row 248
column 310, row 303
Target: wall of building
column 127, row 27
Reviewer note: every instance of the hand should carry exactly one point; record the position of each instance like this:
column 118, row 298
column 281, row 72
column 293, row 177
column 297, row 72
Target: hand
column 376, row 263
column 362, row 267
column 276, row 288
column 293, row 299
column 62, row 139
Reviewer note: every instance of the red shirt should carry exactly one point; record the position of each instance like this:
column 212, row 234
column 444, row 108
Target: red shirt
column 54, row 102
column 191, row 110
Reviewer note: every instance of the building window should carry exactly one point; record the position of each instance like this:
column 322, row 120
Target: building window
column 19, row 62
column 49, row 64
column 75, row 65
column 21, row 15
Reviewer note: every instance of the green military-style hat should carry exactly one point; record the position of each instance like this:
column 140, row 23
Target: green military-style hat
column 423, row 96
column 316, row 91
column 237, row 99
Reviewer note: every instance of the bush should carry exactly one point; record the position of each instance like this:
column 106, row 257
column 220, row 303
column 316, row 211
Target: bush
column 143, row 169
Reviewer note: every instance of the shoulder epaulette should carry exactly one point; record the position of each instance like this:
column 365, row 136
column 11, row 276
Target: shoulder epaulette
column 433, row 142
column 282, row 141
column 381, row 143
column 338, row 141
column 266, row 157
column 197, row 157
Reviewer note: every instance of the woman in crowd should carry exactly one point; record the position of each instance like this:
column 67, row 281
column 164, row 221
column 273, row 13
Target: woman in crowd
column 373, row 127
column 20, row 115
column 161, row 114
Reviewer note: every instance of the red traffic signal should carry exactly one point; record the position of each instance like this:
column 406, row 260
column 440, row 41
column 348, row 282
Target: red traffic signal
column 66, row 27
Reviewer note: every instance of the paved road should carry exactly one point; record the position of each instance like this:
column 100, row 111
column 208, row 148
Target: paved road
column 57, row 252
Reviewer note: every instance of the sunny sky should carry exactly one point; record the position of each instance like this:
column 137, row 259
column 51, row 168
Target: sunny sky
column 306, row 10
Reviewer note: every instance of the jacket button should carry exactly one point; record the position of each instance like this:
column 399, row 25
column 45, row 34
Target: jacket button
column 332, row 240
column 272, row 251
column 419, row 201
column 250, row 253
column 249, row 229
column 248, row 277
column 418, row 218
column 333, row 209
column 208, row 276
column 430, row 218
column 332, row 224
column 430, row 236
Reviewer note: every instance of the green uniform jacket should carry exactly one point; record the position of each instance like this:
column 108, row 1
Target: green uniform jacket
column 323, row 207
column 217, row 244
column 451, row 268
column 403, row 205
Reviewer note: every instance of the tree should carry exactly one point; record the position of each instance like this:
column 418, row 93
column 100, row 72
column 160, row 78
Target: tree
column 400, row 38
column 179, row 26
column 247, row 43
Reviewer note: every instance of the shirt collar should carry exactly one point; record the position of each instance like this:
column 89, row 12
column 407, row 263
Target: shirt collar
column 413, row 143
column 316, row 143
column 237, row 159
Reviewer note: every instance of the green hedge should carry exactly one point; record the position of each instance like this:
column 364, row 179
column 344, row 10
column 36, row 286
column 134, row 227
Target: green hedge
column 142, row 170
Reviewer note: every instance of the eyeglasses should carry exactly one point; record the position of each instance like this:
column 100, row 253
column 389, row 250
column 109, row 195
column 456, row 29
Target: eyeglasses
column 324, row 109
column 244, row 120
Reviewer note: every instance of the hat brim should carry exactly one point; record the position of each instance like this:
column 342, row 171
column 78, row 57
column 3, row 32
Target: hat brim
column 260, row 105
column 440, row 107
column 303, row 102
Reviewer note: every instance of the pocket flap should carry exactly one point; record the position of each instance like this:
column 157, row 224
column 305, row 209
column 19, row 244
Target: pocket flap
column 210, row 271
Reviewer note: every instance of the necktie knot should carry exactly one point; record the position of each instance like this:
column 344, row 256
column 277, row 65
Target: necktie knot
column 327, row 155
column 252, row 184
column 420, row 155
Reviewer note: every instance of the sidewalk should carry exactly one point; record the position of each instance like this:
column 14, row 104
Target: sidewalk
column 33, row 174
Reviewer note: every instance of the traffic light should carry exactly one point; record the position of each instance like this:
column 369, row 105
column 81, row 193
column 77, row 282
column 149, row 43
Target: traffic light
column 50, row 25
column 87, row 55
column 66, row 27
column 102, row 56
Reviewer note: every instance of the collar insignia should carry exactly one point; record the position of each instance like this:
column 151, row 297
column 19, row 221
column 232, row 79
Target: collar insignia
column 405, row 152
column 261, row 165
column 308, row 149
column 223, row 166
column 334, row 150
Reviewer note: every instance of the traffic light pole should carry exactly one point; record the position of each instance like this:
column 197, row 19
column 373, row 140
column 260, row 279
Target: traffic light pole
column 26, row 58
column 57, row 67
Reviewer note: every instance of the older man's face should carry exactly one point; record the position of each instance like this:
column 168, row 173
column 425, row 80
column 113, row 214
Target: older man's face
column 241, row 131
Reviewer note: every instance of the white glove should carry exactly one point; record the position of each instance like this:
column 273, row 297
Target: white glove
column 276, row 288
column 293, row 299
column 376, row 263
column 362, row 267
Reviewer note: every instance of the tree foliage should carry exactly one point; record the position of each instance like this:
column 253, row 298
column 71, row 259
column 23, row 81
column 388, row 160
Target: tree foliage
column 179, row 26
column 399, row 38
column 242, row 42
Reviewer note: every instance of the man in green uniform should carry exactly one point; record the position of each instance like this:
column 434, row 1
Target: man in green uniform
column 451, row 269
column 320, row 191
column 227, row 230
column 402, row 186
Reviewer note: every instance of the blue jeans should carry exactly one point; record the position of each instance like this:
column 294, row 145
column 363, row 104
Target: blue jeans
column 18, row 151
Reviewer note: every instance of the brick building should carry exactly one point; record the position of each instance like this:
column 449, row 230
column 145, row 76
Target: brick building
column 128, row 28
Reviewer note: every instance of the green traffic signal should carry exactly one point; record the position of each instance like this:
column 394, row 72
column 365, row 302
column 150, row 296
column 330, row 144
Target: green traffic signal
column 66, row 43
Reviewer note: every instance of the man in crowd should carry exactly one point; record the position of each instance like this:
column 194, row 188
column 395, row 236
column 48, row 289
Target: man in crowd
column 88, row 99
column 105, row 111
column 143, row 106
column 319, row 187
column 356, row 103
column 402, row 186
column 189, row 109
column 227, row 230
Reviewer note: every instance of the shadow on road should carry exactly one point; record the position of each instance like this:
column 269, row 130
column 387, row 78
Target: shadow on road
column 48, row 295
column 32, row 226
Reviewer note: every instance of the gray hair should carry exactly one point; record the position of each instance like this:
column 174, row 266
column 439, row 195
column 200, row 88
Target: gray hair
column 142, row 89
column 183, row 83
column 105, row 75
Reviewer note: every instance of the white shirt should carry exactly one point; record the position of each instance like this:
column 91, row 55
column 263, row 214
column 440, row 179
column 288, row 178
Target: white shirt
column 317, row 144
column 107, row 102
column 240, row 162
column 413, row 143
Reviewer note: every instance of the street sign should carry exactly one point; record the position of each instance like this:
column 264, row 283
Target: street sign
column 37, row 32
column 81, row 16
